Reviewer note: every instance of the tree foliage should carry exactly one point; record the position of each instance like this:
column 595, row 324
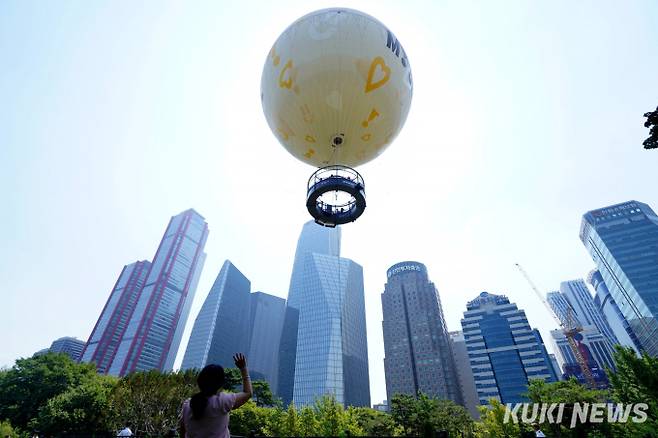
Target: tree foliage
column 30, row 383
column 636, row 381
column 423, row 416
column 569, row 392
column 151, row 401
column 652, row 123
column 492, row 422
column 80, row 409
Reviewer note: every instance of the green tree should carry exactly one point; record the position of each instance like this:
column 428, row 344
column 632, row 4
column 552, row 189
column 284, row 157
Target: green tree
column 151, row 401
column 492, row 422
column 84, row 408
column 249, row 419
column 423, row 416
column 636, row 381
column 308, row 423
column 233, row 379
column 292, row 422
column 376, row 423
column 7, row 431
column 568, row 392
column 652, row 123
column 30, row 383
column 263, row 394
column 403, row 410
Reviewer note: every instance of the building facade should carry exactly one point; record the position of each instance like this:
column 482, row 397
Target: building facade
column 70, row 346
column 599, row 350
column 221, row 328
column 323, row 346
column 464, row 374
column 110, row 328
column 417, row 347
column 608, row 306
column 587, row 312
column 266, row 323
column 623, row 241
column 142, row 323
column 505, row 353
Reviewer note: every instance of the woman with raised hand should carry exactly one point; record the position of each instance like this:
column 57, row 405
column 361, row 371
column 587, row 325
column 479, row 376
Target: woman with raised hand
column 206, row 414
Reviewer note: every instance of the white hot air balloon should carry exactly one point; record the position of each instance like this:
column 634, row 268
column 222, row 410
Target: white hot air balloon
column 336, row 89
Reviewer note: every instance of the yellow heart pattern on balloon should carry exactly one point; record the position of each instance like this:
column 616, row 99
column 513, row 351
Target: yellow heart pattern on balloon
column 385, row 74
column 285, row 81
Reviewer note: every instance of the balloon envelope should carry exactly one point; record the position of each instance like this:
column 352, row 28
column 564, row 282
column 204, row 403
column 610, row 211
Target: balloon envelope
column 336, row 88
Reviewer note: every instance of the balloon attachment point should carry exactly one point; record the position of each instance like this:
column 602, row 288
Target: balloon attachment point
column 335, row 195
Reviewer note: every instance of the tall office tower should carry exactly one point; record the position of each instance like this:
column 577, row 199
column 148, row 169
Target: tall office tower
column 323, row 343
column 266, row 322
column 623, row 241
column 581, row 300
column 599, row 350
column 464, row 373
column 70, row 346
column 221, row 328
column 106, row 336
column 607, row 305
column 141, row 325
column 554, row 377
column 556, row 367
column 418, row 353
column 505, row 353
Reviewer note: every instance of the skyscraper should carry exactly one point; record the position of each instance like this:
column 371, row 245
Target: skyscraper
column 599, row 350
column 323, row 343
column 107, row 335
column 464, row 373
column 266, row 322
column 581, row 300
column 141, row 326
column 418, row 352
column 221, row 328
column 623, row 241
column 70, row 346
column 608, row 306
column 505, row 353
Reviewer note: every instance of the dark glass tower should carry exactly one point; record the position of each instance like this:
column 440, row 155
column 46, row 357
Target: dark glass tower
column 418, row 351
column 323, row 344
column 266, row 322
column 221, row 328
column 623, row 241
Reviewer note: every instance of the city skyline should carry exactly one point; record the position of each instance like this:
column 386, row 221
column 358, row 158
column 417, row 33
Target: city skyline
column 507, row 144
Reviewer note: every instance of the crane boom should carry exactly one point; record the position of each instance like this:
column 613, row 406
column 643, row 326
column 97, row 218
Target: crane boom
column 570, row 328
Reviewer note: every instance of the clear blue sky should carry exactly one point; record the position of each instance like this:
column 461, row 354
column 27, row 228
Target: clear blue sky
column 116, row 115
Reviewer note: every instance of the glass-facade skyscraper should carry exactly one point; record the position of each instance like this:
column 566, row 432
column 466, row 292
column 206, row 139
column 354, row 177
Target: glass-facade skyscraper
column 504, row 351
column 266, row 322
column 598, row 336
column 142, row 323
column 586, row 310
column 418, row 351
column 221, row 328
column 608, row 306
column 623, row 241
column 464, row 373
column 323, row 343
column 107, row 335
column 68, row 345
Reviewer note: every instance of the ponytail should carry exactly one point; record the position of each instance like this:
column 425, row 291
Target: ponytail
column 210, row 380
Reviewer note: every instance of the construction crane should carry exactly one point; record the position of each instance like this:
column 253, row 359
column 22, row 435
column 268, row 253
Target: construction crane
column 570, row 328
